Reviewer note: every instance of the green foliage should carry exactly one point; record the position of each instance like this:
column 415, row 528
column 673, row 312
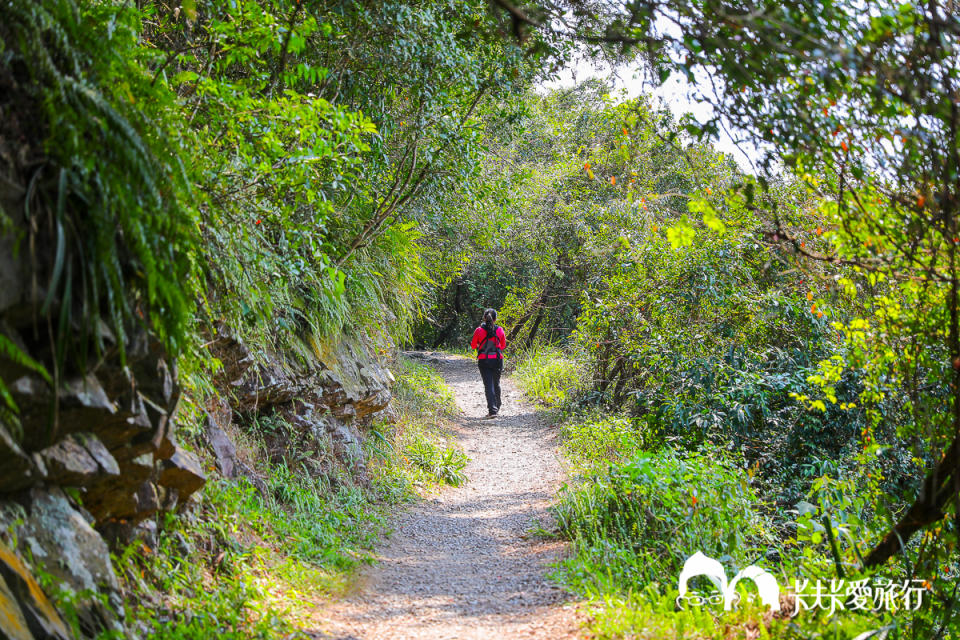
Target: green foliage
column 419, row 452
column 301, row 170
column 251, row 562
column 8, row 408
column 272, row 161
column 548, row 375
column 854, row 102
column 593, row 440
column 212, row 584
column 421, row 390
column 635, row 524
column 114, row 193
column 446, row 465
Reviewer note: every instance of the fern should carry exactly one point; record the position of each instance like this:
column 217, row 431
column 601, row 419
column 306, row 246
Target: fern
column 124, row 234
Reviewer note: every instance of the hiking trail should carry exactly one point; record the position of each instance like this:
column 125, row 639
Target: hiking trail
column 463, row 564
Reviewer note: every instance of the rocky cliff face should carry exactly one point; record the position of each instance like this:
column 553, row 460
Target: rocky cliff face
column 92, row 465
column 326, row 397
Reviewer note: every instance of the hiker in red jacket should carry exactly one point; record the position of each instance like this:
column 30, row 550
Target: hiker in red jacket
column 489, row 341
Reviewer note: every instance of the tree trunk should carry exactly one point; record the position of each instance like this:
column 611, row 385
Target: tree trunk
column 449, row 327
column 533, row 329
column 935, row 493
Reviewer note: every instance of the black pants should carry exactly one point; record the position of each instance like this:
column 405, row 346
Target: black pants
column 491, row 387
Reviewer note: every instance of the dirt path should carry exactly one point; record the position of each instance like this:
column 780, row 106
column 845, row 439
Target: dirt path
column 460, row 565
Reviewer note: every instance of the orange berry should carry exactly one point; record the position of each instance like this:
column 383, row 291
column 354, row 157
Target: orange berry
column 803, row 244
column 843, row 145
column 809, row 295
column 813, row 308
column 819, row 231
column 921, row 200
column 613, row 179
column 819, row 314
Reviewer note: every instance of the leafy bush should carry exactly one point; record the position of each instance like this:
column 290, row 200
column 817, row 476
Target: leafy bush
column 416, row 450
column 443, row 464
column 421, row 390
column 231, row 571
column 115, row 191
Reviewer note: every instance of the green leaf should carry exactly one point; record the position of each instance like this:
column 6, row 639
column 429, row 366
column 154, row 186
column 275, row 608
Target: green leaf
column 681, row 234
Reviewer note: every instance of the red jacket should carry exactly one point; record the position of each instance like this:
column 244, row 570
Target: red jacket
column 481, row 334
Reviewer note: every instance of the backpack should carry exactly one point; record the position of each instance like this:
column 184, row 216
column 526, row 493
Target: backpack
column 490, row 349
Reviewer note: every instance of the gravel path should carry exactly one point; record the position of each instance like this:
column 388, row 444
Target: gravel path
column 461, row 565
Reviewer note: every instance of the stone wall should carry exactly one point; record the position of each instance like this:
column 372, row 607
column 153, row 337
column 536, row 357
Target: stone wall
column 93, row 466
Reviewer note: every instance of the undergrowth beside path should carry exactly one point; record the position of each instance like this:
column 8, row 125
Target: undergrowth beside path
column 640, row 505
column 252, row 562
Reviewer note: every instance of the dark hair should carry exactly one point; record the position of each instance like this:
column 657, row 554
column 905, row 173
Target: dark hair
column 489, row 317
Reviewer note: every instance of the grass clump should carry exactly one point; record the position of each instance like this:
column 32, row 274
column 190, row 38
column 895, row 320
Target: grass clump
column 444, row 464
column 247, row 565
column 592, row 439
column 416, row 452
column 421, row 390
column 548, row 375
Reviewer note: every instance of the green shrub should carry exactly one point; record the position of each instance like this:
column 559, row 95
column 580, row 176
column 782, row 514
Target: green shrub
column 442, row 464
column 416, row 450
column 422, row 391
column 236, row 569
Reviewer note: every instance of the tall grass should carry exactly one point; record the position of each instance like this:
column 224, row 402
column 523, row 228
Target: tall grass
column 418, row 452
column 592, row 440
column 548, row 375
column 641, row 506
